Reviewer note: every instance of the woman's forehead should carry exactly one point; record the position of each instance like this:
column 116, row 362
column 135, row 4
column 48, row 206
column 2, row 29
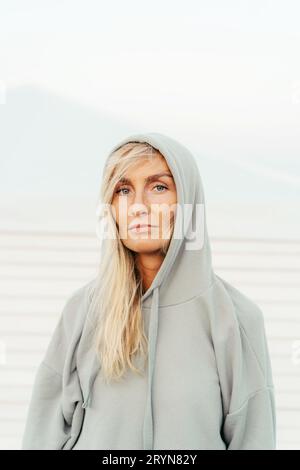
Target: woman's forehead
column 147, row 170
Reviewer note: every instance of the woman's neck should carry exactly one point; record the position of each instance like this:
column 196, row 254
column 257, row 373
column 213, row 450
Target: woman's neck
column 148, row 265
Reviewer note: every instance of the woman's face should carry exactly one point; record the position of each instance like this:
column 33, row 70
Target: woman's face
column 144, row 197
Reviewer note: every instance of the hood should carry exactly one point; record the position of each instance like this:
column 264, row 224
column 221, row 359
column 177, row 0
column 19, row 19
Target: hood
column 171, row 284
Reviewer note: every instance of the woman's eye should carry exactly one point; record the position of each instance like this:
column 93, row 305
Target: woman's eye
column 122, row 189
column 160, row 186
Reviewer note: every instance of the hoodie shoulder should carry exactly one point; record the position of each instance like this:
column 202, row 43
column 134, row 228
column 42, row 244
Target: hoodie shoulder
column 249, row 314
column 252, row 327
column 75, row 307
column 69, row 328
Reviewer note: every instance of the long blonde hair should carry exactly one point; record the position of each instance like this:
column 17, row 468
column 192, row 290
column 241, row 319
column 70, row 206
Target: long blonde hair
column 119, row 335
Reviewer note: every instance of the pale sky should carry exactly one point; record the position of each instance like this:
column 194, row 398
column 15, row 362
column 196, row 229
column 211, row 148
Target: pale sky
column 216, row 63
column 222, row 77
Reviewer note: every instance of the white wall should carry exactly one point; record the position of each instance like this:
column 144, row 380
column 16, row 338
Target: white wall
column 39, row 269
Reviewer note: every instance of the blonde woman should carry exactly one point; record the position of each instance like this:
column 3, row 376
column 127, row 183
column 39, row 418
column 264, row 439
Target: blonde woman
column 156, row 352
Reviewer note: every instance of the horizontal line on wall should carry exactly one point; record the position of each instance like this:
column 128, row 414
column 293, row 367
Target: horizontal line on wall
column 277, row 301
column 254, row 239
column 50, row 248
column 21, row 367
column 12, row 386
column 256, row 253
column 255, row 269
column 47, row 263
column 23, row 333
column 266, row 283
column 29, row 314
column 33, row 296
column 48, row 233
column 41, row 278
column 14, row 402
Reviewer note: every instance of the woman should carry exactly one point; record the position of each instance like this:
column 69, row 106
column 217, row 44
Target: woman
column 156, row 352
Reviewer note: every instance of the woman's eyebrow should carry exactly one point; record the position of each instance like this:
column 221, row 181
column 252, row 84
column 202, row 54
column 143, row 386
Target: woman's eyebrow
column 148, row 179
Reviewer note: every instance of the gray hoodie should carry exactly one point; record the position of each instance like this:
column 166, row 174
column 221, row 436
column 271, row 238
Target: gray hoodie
column 208, row 380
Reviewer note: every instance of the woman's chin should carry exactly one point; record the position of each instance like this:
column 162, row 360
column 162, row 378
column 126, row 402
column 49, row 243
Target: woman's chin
column 144, row 245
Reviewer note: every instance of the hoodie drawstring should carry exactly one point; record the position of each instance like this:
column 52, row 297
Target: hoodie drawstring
column 152, row 340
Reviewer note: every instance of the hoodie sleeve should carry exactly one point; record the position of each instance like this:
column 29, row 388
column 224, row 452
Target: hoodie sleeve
column 244, row 369
column 56, row 395
column 252, row 426
column 250, row 422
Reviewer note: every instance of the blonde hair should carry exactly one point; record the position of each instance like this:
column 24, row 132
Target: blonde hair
column 119, row 335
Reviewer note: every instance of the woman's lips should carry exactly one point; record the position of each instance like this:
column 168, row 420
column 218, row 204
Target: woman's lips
column 141, row 227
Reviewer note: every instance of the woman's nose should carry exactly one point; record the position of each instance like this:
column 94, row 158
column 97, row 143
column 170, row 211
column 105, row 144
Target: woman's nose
column 139, row 202
column 140, row 197
column 137, row 210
